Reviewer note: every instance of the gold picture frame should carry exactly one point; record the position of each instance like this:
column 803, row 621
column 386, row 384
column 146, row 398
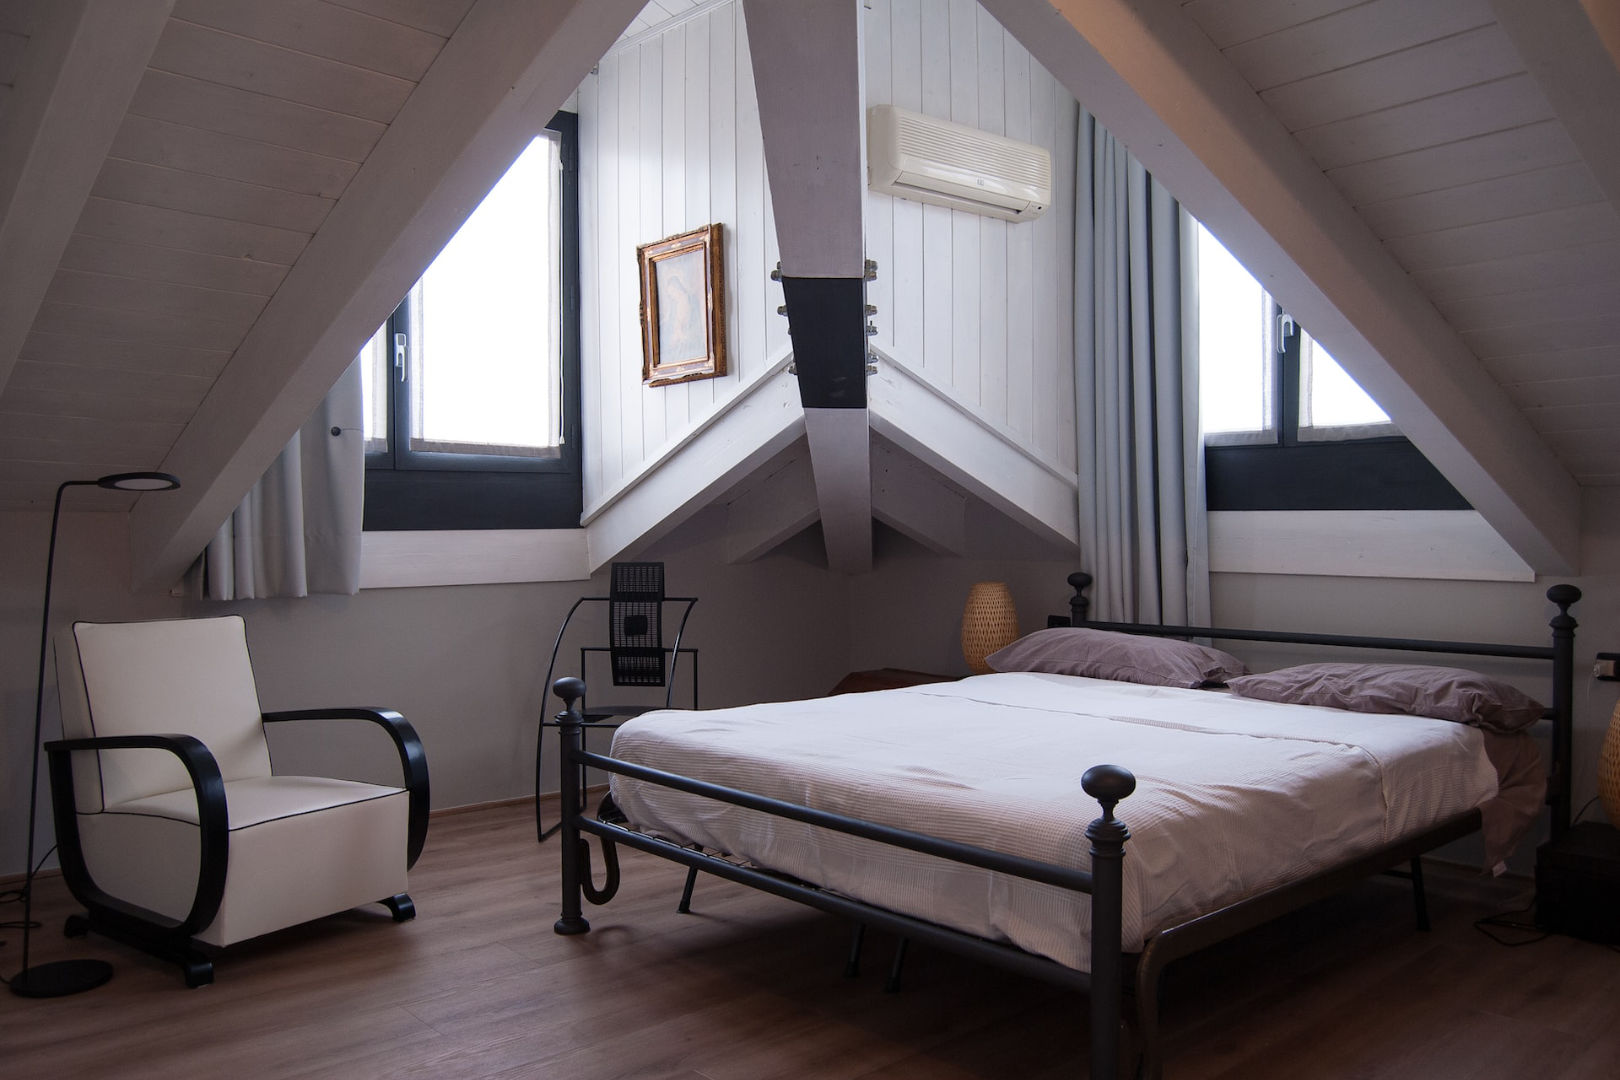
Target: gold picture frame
column 683, row 308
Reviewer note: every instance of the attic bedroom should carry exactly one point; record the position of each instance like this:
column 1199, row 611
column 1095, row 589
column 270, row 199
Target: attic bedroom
column 210, row 208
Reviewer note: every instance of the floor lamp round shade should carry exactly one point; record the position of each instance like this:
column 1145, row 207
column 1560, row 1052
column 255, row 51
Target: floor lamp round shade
column 989, row 622
column 1609, row 770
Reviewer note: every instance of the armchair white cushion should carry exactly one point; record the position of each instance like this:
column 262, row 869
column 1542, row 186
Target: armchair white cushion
column 174, row 829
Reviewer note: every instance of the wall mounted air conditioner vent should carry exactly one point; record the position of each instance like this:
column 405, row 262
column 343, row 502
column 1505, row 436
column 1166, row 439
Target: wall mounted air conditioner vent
column 935, row 161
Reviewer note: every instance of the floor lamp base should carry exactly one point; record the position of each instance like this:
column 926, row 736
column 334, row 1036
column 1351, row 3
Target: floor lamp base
column 61, row 978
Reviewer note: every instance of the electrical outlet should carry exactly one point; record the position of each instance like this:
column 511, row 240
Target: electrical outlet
column 1607, row 667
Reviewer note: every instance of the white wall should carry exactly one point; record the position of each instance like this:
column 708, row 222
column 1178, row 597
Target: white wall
column 979, row 307
column 463, row 663
column 669, row 141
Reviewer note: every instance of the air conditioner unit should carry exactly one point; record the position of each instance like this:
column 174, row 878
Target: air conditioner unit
column 935, row 161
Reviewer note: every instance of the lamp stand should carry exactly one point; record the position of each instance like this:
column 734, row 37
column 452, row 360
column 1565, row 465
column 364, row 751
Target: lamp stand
column 62, row 977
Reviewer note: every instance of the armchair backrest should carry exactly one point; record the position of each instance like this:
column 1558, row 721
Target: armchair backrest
column 172, row 677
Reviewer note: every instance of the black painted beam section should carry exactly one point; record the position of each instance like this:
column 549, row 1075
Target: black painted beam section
column 827, row 319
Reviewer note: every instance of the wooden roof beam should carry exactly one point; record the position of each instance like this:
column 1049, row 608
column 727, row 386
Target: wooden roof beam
column 807, row 69
column 1156, row 81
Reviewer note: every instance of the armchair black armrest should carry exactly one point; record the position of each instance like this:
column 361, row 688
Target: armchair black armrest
column 213, row 823
column 412, row 760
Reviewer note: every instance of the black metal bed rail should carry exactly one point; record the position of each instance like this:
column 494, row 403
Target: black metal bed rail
column 1108, row 784
column 1014, row 865
column 977, row 948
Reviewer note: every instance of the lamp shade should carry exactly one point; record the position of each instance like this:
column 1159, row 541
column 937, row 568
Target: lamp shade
column 1609, row 770
column 989, row 622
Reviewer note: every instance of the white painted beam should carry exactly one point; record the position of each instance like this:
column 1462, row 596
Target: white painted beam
column 1157, row 82
column 80, row 71
column 763, row 424
column 972, row 453
column 807, row 72
column 841, row 459
column 1567, row 57
column 914, row 501
column 777, row 508
column 509, row 66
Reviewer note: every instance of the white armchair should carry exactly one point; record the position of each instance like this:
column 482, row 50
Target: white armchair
column 174, row 831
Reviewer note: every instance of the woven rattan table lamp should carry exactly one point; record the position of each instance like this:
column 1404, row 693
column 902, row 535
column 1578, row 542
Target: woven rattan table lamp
column 1609, row 770
column 989, row 622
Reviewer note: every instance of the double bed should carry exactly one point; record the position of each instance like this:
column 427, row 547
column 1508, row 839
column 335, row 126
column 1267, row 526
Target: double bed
column 953, row 813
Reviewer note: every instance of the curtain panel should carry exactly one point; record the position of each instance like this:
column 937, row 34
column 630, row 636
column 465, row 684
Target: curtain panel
column 297, row 531
column 1143, row 530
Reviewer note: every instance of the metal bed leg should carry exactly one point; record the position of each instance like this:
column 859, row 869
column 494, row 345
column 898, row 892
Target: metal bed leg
column 852, row 967
column 893, row 985
column 685, row 906
column 1420, row 900
column 572, row 921
column 1108, row 784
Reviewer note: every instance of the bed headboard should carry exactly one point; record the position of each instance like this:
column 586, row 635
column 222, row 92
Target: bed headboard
column 1561, row 655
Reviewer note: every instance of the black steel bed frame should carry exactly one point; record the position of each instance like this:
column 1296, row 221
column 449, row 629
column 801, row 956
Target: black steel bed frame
column 1113, row 974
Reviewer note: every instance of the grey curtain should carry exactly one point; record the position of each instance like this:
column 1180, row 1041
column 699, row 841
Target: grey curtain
column 298, row 531
column 1143, row 530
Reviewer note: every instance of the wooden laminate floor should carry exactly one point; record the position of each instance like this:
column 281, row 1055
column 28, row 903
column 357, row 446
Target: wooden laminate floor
column 749, row 987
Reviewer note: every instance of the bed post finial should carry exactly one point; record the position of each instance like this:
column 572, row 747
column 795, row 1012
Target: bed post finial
column 569, row 721
column 1108, row 784
column 1079, row 604
column 1563, row 704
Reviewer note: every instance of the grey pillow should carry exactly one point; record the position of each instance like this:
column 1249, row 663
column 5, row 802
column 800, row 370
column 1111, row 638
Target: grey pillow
column 1465, row 697
column 1105, row 654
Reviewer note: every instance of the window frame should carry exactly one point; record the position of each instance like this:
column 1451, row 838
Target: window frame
column 428, row 490
column 1282, row 470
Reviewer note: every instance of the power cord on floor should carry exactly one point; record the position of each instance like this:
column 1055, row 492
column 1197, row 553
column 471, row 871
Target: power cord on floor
column 1504, row 920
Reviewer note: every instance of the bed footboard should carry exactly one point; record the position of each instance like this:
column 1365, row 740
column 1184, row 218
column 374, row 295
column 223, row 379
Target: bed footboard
column 1108, row 784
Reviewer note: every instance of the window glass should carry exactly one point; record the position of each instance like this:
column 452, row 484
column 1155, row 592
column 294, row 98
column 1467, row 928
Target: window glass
column 484, row 361
column 1235, row 344
column 1328, row 396
column 374, row 361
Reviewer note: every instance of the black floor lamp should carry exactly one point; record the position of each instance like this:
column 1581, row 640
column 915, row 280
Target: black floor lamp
column 64, row 976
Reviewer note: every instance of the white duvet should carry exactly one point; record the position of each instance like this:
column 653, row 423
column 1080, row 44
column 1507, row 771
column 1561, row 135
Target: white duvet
column 1233, row 795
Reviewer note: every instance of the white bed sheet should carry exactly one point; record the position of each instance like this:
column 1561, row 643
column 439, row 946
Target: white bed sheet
column 1233, row 796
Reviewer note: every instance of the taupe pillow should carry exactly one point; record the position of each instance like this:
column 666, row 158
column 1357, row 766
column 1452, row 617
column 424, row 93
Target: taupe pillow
column 1465, row 697
column 1105, row 654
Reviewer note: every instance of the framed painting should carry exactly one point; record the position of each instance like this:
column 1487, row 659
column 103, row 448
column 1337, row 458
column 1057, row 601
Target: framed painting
column 683, row 311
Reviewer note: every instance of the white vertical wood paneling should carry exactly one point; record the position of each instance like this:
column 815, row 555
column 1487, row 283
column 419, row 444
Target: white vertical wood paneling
column 677, row 146
column 980, row 308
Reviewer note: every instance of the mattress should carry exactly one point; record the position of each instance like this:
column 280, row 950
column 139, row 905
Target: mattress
column 1234, row 796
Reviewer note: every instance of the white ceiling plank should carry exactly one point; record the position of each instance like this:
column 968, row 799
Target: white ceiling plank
column 94, row 403
column 509, row 66
column 179, row 146
column 1570, row 184
column 75, row 347
column 973, row 454
column 75, row 82
column 841, row 461
column 771, row 512
column 1527, row 337
column 439, row 17
column 1499, row 105
column 1355, row 34
column 186, row 231
column 1503, row 153
column 213, row 196
column 1544, row 366
column 151, row 327
column 322, row 29
column 916, row 502
column 1154, row 79
column 1229, row 22
column 1552, row 230
column 229, row 110
column 99, row 255
column 1576, row 71
column 1578, row 301
column 1396, row 78
column 1541, row 269
column 808, row 77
